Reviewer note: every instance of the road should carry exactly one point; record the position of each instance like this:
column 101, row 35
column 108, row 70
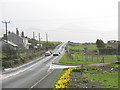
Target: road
column 36, row 74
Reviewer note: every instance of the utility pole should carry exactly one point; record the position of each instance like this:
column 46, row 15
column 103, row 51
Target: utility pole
column 33, row 35
column 5, row 22
column 46, row 38
column 46, row 41
column 39, row 37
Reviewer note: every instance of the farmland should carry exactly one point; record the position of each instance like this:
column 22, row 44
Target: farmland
column 82, row 59
column 95, row 76
column 53, row 42
column 81, row 47
column 78, row 55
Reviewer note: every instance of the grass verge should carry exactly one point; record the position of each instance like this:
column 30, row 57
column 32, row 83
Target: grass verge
column 96, row 77
column 108, row 79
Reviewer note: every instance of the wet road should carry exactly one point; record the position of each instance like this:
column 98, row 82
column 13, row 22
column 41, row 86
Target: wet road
column 32, row 74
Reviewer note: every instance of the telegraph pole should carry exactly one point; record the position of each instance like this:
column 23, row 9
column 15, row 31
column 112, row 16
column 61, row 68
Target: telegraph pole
column 33, row 35
column 39, row 37
column 46, row 38
column 5, row 22
column 46, row 41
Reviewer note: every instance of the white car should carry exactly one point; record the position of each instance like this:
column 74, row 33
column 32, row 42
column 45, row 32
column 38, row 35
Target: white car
column 56, row 53
column 48, row 53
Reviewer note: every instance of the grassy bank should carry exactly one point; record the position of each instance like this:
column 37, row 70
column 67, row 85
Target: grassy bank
column 108, row 79
column 106, row 75
column 92, row 77
column 22, row 59
column 96, row 77
column 21, row 56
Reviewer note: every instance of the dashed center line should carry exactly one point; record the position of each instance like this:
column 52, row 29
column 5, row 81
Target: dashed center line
column 40, row 80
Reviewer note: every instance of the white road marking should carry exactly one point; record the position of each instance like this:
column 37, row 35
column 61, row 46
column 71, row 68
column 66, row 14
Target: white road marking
column 54, row 66
column 40, row 80
column 2, row 77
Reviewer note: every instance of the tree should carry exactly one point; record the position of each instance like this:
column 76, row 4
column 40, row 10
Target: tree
column 118, row 48
column 100, row 44
column 9, row 51
column 22, row 35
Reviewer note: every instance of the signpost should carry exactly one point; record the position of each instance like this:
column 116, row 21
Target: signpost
column 69, row 46
column 85, row 49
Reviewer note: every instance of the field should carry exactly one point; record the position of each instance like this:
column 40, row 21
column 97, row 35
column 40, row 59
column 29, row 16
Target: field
column 66, row 60
column 77, row 55
column 54, row 42
column 81, row 47
column 108, row 79
column 93, row 77
column 105, row 76
column 96, row 77
column 82, row 59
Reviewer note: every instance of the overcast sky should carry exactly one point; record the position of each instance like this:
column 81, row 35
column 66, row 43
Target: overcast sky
column 62, row 20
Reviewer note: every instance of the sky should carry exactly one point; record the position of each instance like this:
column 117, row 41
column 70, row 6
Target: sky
column 62, row 20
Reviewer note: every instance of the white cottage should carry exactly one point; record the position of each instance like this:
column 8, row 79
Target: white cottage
column 26, row 43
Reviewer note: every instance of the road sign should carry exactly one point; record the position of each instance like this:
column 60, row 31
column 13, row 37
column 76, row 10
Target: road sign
column 85, row 49
column 69, row 46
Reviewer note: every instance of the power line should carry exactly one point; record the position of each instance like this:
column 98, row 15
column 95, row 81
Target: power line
column 6, row 23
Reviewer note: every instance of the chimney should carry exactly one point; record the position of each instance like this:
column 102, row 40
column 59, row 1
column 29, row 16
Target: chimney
column 17, row 32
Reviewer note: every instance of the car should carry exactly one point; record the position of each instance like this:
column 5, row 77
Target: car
column 47, row 53
column 56, row 53
column 59, row 52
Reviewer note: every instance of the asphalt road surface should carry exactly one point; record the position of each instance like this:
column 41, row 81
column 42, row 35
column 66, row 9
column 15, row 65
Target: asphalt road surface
column 36, row 74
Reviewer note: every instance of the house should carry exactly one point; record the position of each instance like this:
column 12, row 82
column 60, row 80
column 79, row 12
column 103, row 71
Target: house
column 12, row 37
column 22, row 42
column 7, row 45
column 33, row 42
column 112, row 41
column 39, row 45
column 26, row 43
